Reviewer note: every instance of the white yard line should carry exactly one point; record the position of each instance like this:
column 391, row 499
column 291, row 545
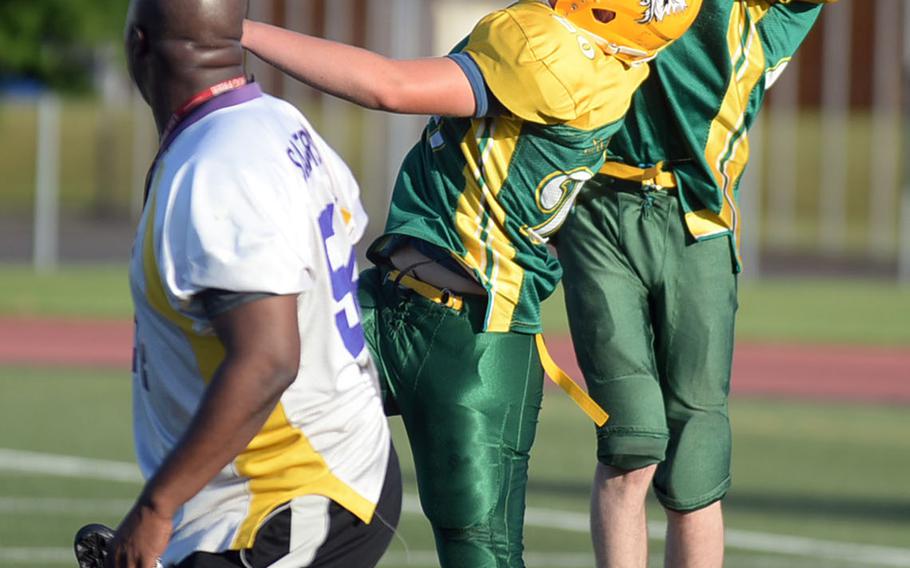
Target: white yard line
column 37, row 556
column 24, row 506
column 68, row 466
column 855, row 554
column 427, row 558
column 85, row 468
column 416, row 558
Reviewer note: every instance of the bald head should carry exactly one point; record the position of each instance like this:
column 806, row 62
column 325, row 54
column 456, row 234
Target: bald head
column 207, row 22
column 176, row 48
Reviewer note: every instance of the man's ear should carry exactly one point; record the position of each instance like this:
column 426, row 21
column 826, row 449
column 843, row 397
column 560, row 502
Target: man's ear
column 137, row 49
column 137, row 45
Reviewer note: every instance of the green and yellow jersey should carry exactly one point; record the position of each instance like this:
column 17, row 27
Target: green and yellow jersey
column 489, row 191
column 693, row 113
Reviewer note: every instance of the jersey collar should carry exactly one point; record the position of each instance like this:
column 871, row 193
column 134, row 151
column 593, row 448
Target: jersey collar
column 192, row 114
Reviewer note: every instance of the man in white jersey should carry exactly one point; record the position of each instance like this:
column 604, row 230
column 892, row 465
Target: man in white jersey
column 257, row 414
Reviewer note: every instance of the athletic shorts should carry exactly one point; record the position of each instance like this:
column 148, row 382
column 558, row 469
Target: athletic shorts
column 651, row 313
column 324, row 534
column 469, row 401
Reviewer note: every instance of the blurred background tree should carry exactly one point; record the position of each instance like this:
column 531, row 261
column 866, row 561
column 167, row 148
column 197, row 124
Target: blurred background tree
column 54, row 42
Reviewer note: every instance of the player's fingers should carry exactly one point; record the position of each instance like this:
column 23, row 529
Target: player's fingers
column 120, row 556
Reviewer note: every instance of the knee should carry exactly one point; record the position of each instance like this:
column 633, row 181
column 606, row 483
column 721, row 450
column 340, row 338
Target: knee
column 688, row 497
column 624, row 482
column 696, row 472
column 475, row 539
column 476, row 547
column 460, row 514
column 476, row 519
column 631, row 450
column 708, row 510
column 458, row 489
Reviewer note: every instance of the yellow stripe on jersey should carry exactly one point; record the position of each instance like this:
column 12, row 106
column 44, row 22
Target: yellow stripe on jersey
column 706, row 223
column 281, row 464
column 546, row 70
column 208, row 350
column 727, row 151
column 488, row 148
column 279, row 461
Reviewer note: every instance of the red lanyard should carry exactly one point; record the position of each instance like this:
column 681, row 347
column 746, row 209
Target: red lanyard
column 181, row 113
column 200, row 98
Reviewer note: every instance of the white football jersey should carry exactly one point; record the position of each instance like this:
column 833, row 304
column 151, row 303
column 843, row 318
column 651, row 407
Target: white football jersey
column 246, row 197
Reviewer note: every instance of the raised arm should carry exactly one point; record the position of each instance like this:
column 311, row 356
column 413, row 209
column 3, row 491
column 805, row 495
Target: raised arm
column 435, row 85
column 262, row 345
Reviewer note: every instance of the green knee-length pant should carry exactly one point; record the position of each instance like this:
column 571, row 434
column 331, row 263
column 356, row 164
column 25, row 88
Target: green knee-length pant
column 470, row 402
column 652, row 314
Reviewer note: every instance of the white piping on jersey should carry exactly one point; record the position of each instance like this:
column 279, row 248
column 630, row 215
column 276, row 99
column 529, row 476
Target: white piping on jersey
column 487, row 127
column 738, row 55
column 478, row 177
column 536, row 237
column 745, row 47
column 494, row 275
column 488, row 200
column 774, row 73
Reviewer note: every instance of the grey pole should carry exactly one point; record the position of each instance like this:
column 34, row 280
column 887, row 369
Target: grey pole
column 47, row 187
column 885, row 158
column 783, row 125
column 904, row 238
column 835, row 106
column 378, row 185
column 336, row 114
column 262, row 11
column 408, row 23
column 750, row 200
column 297, row 18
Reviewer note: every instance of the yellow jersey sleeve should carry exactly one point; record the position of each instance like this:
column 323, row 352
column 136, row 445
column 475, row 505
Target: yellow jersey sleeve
column 545, row 70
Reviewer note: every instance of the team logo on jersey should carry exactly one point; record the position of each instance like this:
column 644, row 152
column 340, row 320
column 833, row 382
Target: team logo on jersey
column 555, row 196
column 657, row 10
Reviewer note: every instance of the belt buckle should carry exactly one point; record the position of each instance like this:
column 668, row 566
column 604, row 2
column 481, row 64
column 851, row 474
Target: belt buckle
column 651, row 184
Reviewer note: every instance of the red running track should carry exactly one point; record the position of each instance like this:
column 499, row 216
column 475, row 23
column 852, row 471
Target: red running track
column 821, row 372
column 66, row 343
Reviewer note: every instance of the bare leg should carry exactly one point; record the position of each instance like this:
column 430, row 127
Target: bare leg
column 619, row 529
column 695, row 539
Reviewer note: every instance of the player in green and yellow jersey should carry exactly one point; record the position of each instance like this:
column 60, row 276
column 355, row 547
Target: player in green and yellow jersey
column 524, row 109
column 650, row 259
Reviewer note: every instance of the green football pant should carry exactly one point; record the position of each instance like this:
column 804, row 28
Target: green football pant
column 469, row 401
column 652, row 313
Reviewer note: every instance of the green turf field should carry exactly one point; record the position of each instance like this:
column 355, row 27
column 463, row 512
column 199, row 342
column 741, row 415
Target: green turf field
column 822, row 485
column 840, row 311
column 91, row 292
column 815, row 485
